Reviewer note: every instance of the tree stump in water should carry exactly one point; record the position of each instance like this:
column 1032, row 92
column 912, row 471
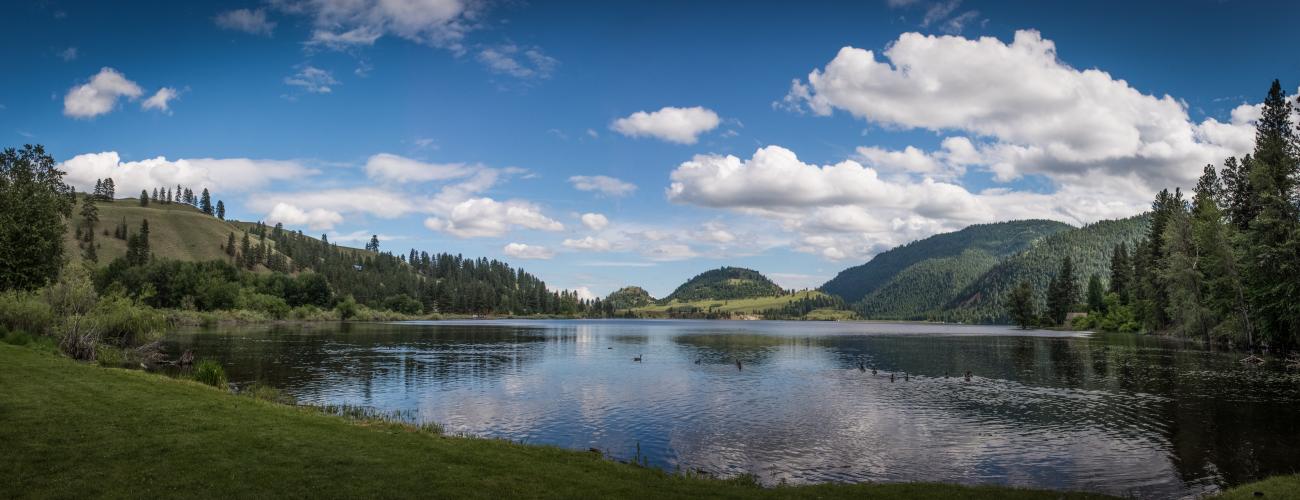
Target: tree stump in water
column 187, row 358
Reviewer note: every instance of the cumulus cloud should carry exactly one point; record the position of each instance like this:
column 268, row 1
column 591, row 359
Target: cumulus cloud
column 526, row 251
column 316, row 218
column 602, row 184
column 161, row 100
column 253, row 22
column 670, row 252
column 594, row 221
column 583, row 293
column 484, row 217
column 678, row 125
column 99, row 95
column 393, row 168
column 589, row 243
column 221, row 175
column 312, row 79
column 343, row 23
column 847, row 210
column 516, row 61
column 363, row 200
column 1029, row 112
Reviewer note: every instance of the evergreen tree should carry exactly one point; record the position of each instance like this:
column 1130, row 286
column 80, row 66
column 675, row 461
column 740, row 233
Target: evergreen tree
column 154, row 196
column 230, row 244
column 221, row 210
column 1020, row 305
column 144, row 198
column 1273, row 237
column 110, row 190
column 89, row 216
column 1096, row 295
column 1182, row 279
column 34, row 203
column 1062, row 292
column 1121, row 272
column 205, row 203
column 246, row 252
column 99, row 189
column 373, row 245
column 1217, row 261
column 89, row 252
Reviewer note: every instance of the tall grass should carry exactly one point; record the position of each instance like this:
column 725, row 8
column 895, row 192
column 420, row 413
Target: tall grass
column 211, row 373
column 26, row 311
column 404, row 418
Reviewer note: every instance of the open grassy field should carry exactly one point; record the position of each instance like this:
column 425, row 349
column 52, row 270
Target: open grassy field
column 737, row 306
column 75, row 430
column 176, row 231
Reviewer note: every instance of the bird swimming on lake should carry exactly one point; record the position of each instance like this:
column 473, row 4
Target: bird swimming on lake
column 968, row 375
column 739, row 366
column 697, row 361
column 862, row 367
column 891, row 377
column 873, row 371
column 905, row 377
column 638, row 358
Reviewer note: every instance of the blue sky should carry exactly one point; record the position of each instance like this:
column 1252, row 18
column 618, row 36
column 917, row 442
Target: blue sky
column 459, row 126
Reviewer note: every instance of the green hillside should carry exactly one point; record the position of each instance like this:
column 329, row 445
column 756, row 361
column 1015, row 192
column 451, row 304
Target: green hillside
column 725, row 283
column 992, row 240
column 917, row 291
column 629, row 297
column 806, row 304
column 1090, row 247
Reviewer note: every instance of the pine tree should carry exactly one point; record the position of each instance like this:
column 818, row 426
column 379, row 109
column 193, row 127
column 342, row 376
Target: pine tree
column 221, row 210
column 246, row 252
column 145, row 252
column 110, row 190
column 144, row 198
column 1273, row 236
column 1020, row 305
column 373, row 246
column 1096, row 295
column 1062, row 292
column 205, row 203
column 230, row 244
column 89, row 216
column 1180, row 275
column 1217, row 261
column 89, row 252
column 1121, row 272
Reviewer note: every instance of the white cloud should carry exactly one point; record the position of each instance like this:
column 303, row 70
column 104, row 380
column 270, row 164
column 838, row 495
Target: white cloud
column 342, row 23
column 99, row 95
column 249, row 21
column 312, row 79
column 1033, row 113
column 68, row 54
column 679, row 125
column 519, row 62
column 525, row 251
column 393, row 168
column 484, row 217
column 670, row 252
column 594, row 221
column 589, row 243
column 603, row 184
column 221, row 175
column 583, row 293
column 383, row 203
column 160, row 100
column 316, row 218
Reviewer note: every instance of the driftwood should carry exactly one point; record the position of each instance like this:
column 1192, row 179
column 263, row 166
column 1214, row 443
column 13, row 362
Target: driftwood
column 1253, row 359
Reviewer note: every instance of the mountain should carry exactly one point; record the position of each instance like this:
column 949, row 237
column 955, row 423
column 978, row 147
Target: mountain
column 951, row 257
column 629, row 297
column 726, row 283
column 1090, row 247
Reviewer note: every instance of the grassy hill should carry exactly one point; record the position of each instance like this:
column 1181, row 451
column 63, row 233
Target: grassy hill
column 1090, row 247
column 176, row 231
column 726, row 283
column 961, row 248
column 744, row 306
column 629, row 297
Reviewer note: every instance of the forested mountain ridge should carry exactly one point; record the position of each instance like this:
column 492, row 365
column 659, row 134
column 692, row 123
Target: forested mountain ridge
column 725, row 283
column 994, row 240
column 629, row 297
column 182, row 236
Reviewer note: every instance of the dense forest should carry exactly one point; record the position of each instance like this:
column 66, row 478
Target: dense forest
column 725, row 283
column 995, row 240
column 629, row 297
column 1221, row 264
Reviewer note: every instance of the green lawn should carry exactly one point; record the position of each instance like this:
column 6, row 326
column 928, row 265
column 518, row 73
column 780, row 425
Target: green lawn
column 75, row 430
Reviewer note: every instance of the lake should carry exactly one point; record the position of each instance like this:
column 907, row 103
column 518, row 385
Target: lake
column 1114, row 413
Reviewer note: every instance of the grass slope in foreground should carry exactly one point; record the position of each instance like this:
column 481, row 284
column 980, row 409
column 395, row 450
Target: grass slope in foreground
column 76, row 430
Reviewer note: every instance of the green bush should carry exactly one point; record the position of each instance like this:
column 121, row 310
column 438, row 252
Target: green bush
column 16, row 337
column 267, row 393
column 124, row 322
column 211, row 373
column 25, row 311
column 273, row 306
column 347, row 308
column 110, row 356
column 404, row 304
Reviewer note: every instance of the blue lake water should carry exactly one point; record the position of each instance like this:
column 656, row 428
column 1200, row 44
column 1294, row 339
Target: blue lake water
column 1120, row 414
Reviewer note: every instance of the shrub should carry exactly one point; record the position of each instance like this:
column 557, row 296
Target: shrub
column 16, row 337
column 347, row 308
column 124, row 322
column 404, row 304
column 80, row 339
column 73, row 294
column 267, row 393
column 211, row 373
column 110, row 356
column 25, row 311
column 273, row 306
